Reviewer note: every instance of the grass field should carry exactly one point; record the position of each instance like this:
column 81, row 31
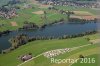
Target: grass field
column 71, row 8
column 41, row 61
column 89, row 64
column 27, row 15
column 38, row 47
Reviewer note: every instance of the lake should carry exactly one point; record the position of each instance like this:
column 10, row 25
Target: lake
column 55, row 30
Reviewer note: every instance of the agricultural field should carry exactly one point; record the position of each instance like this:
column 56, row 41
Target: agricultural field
column 93, row 11
column 26, row 14
column 39, row 47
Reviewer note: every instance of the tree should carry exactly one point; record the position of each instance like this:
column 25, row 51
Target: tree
column 19, row 40
column 45, row 13
column 68, row 15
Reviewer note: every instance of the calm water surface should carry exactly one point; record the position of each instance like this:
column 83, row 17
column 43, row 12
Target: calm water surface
column 56, row 30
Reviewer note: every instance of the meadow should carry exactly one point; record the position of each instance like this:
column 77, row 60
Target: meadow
column 95, row 56
column 38, row 47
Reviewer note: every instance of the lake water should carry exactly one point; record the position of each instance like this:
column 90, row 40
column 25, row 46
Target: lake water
column 54, row 30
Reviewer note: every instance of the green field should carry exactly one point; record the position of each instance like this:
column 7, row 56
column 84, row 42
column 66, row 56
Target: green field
column 38, row 47
column 41, row 61
column 71, row 8
column 27, row 15
column 96, row 63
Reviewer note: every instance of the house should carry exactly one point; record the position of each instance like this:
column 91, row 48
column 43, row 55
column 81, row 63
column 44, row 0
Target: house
column 25, row 57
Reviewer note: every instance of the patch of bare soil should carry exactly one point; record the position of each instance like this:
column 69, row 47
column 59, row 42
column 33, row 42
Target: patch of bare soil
column 38, row 12
column 14, row 24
